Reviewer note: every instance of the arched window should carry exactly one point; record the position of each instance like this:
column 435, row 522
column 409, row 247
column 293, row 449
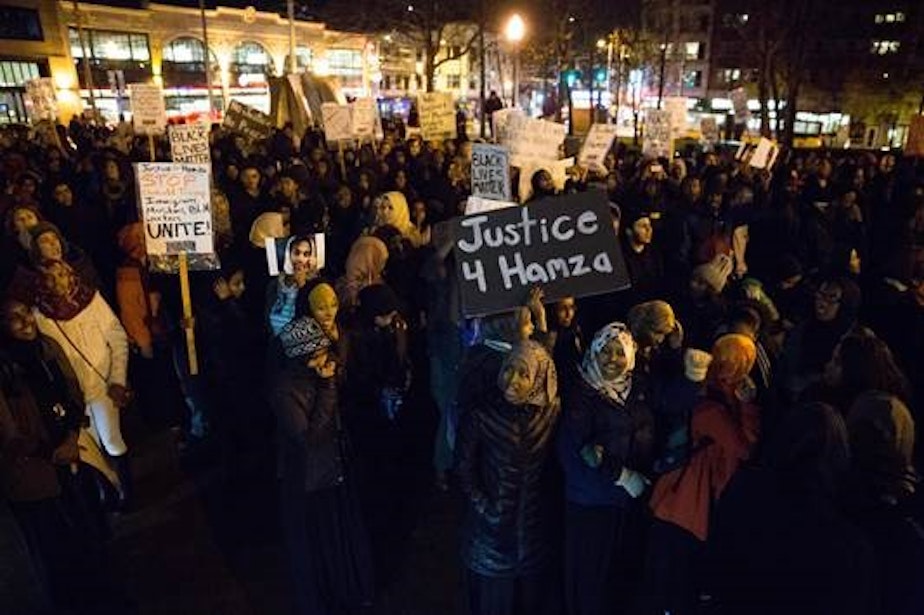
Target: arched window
column 303, row 58
column 184, row 63
column 251, row 64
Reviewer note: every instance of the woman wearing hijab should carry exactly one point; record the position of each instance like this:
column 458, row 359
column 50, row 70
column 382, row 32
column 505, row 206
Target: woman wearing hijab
column 502, row 451
column 331, row 565
column 77, row 317
column 364, row 267
column 604, row 446
column 723, row 431
column 393, row 211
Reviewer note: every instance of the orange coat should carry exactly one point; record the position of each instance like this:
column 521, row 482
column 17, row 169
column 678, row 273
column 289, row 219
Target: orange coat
column 684, row 496
column 139, row 315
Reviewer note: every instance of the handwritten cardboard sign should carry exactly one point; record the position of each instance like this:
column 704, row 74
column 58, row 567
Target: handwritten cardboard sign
column 41, row 101
column 250, row 123
column 739, row 98
column 659, row 140
column 149, row 115
column 677, row 107
column 597, row 144
column 490, row 172
column 190, row 143
column 532, row 141
column 565, row 244
column 710, row 130
column 338, row 122
column 176, row 208
column 365, row 116
column 437, row 116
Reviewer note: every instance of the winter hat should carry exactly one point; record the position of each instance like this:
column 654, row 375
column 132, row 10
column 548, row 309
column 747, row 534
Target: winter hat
column 303, row 337
column 40, row 229
column 715, row 273
column 696, row 364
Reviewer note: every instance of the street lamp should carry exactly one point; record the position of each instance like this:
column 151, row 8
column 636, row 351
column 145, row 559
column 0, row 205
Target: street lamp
column 514, row 32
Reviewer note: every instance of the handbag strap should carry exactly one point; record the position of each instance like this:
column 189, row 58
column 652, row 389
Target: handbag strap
column 80, row 352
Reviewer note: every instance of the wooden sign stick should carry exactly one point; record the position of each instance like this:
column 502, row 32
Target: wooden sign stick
column 151, row 147
column 188, row 315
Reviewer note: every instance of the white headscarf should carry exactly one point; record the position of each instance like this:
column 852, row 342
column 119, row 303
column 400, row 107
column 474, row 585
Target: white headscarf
column 619, row 388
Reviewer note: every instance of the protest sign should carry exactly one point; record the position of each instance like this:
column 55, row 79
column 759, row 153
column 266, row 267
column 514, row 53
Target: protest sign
column 478, row 205
column 764, row 154
column 252, row 124
column 365, row 116
column 279, row 256
column 41, row 100
column 175, row 204
column 915, row 144
column 490, row 172
column 437, row 116
column 677, row 107
column 596, row 146
column 338, row 122
column 739, row 98
column 499, row 121
column 532, row 141
column 658, row 141
column 149, row 115
column 710, row 129
column 564, row 244
column 190, row 143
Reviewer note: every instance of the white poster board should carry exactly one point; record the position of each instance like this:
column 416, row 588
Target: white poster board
column 500, row 119
column 190, row 143
column 478, row 205
column 365, row 117
column 41, row 101
column 490, row 172
column 533, row 141
column 176, row 208
column 764, row 154
column 149, row 115
column 739, row 98
column 709, row 129
column 558, row 169
column 677, row 107
column 596, row 146
column 338, row 122
column 659, row 141
column 437, row 113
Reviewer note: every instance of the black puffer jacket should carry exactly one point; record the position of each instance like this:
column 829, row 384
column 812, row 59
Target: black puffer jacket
column 308, row 425
column 502, row 451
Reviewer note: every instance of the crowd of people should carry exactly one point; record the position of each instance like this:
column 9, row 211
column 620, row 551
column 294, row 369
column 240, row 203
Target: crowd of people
column 734, row 433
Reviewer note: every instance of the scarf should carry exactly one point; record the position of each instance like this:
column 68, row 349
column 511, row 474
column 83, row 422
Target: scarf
column 541, row 369
column 364, row 266
column 63, row 306
column 618, row 389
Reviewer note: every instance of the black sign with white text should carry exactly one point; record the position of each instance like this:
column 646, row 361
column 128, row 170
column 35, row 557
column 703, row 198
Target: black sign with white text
column 564, row 244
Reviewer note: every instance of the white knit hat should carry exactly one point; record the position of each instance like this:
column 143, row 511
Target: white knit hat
column 696, row 364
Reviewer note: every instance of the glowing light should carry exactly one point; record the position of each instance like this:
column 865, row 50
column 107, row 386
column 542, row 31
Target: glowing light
column 515, row 29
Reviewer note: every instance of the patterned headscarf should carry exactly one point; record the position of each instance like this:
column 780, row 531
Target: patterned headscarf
column 303, row 337
column 541, row 370
column 618, row 389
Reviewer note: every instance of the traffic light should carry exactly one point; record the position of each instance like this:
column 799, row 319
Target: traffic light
column 571, row 76
column 600, row 76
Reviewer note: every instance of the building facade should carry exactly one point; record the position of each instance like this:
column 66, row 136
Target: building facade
column 682, row 31
column 163, row 44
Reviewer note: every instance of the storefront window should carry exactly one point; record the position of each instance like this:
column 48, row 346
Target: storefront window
column 250, row 65
column 184, row 64
column 108, row 45
column 15, row 74
column 345, row 62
